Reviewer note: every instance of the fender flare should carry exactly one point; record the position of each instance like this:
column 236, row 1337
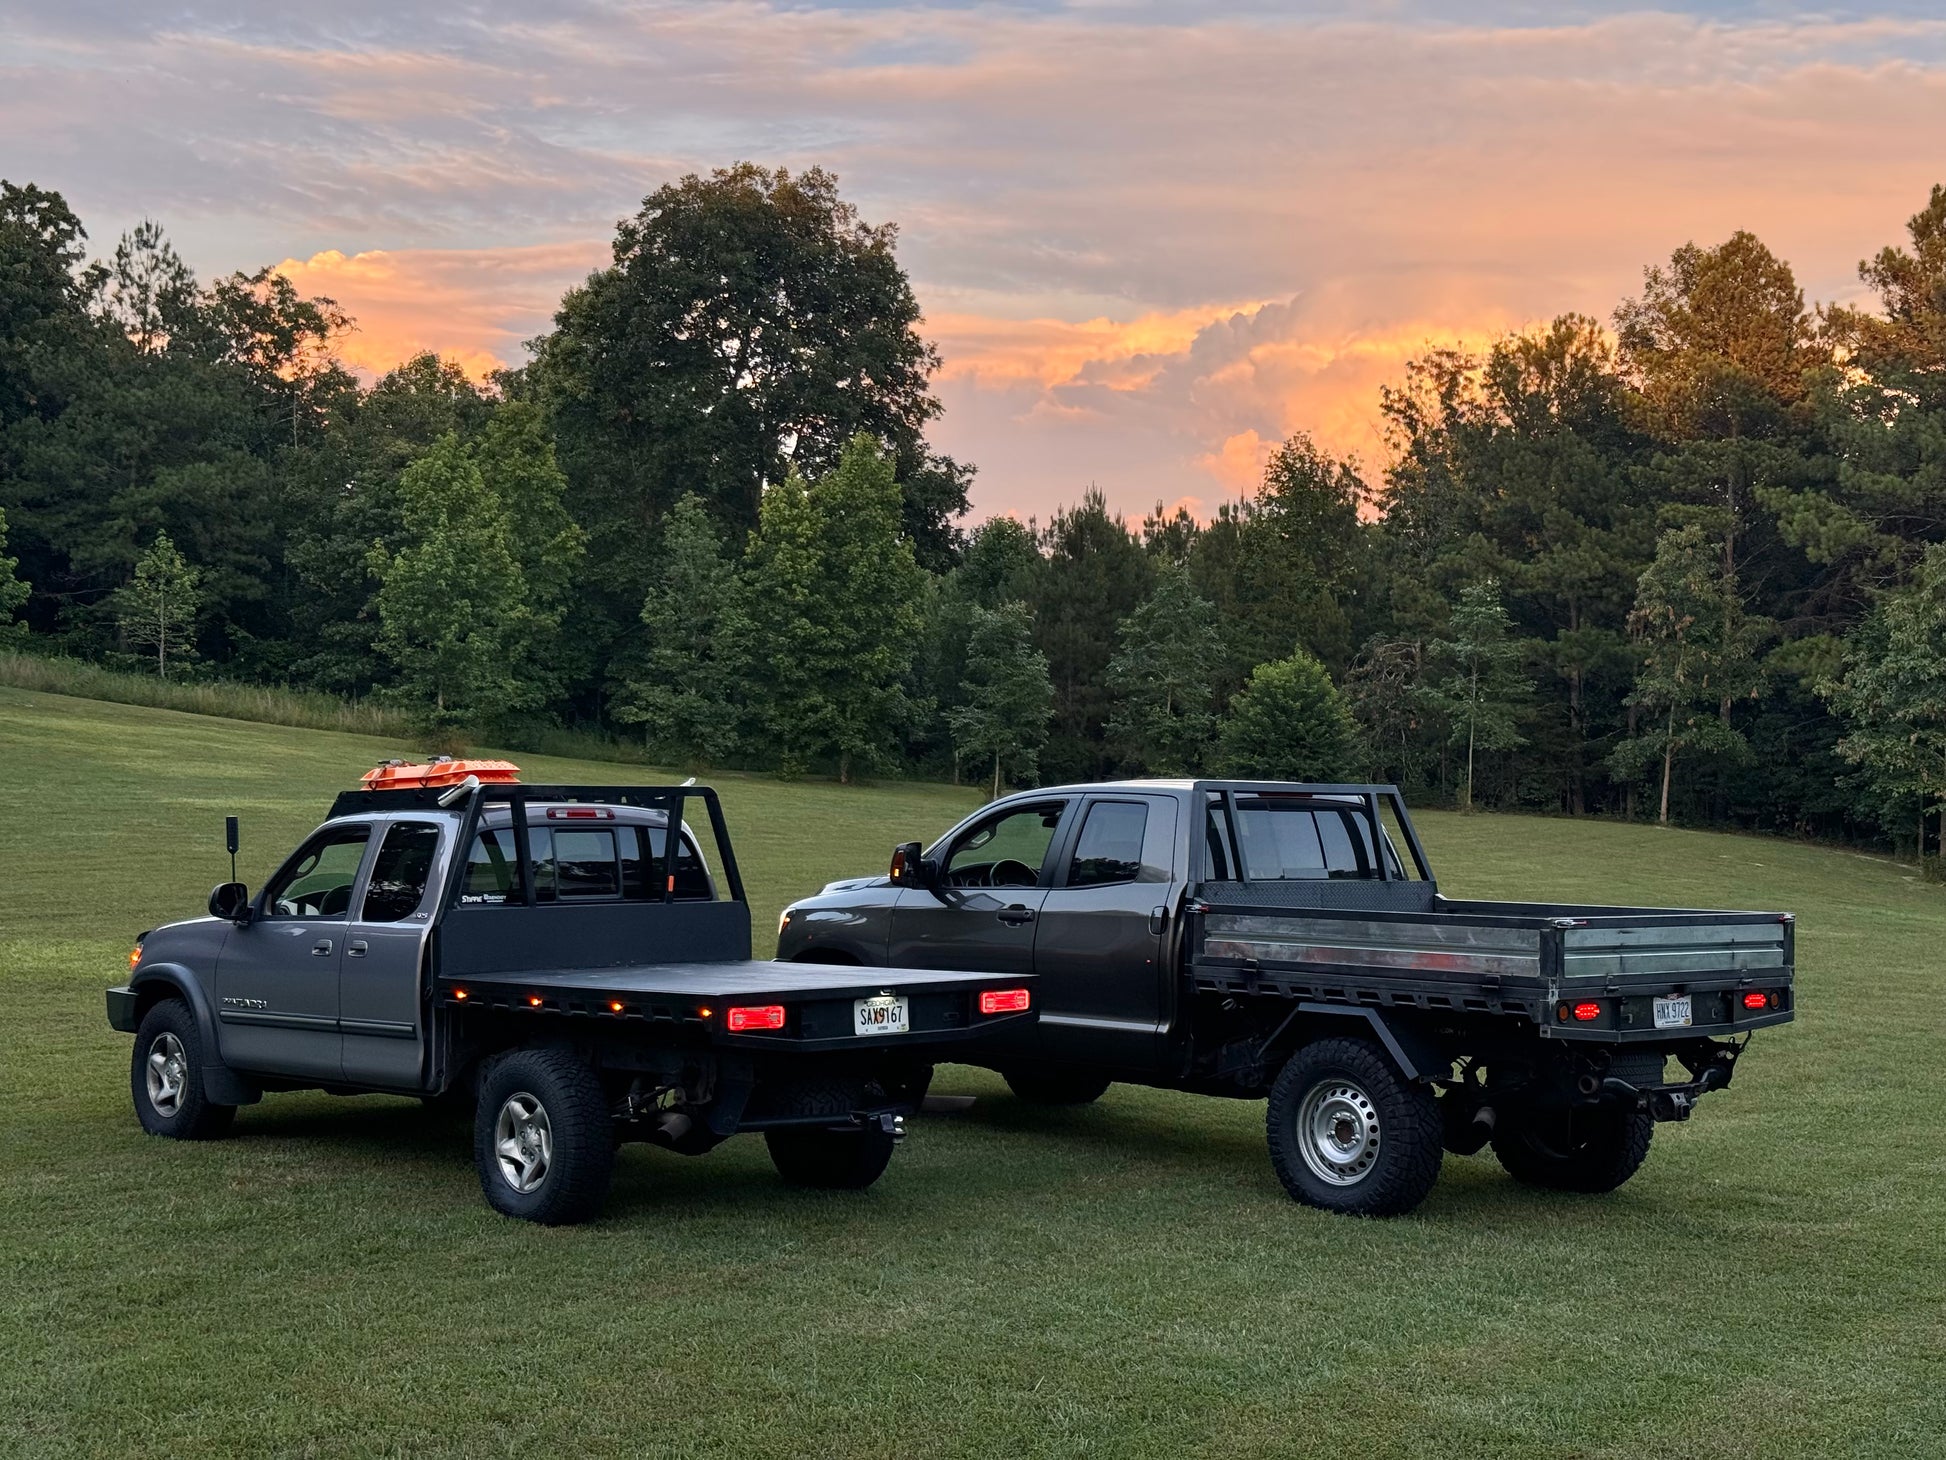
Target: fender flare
column 221, row 1084
column 1418, row 1060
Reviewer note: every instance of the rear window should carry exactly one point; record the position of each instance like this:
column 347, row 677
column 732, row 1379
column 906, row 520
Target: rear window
column 582, row 864
column 1289, row 839
column 1109, row 848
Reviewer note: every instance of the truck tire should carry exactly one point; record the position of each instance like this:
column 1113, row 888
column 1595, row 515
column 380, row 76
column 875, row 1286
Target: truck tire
column 831, row 1160
column 1603, row 1148
column 1056, row 1087
column 165, row 1077
column 1349, row 1134
column 543, row 1139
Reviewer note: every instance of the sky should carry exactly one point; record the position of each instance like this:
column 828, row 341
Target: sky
column 1151, row 239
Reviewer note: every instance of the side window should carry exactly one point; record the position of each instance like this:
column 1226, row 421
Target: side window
column 492, row 869
column 1109, row 848
column 1281, row 839
column 400, row 871
column 1005, row 850
column 317, row 883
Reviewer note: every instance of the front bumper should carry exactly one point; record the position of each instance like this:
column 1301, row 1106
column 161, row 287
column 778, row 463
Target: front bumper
column 122, row 1010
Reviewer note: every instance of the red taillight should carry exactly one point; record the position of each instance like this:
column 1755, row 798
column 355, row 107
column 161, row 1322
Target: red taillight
column 1586, row 1011
column 1756, row 1000
column 579, row 813
column 759, row 1016
column 1003, row 1001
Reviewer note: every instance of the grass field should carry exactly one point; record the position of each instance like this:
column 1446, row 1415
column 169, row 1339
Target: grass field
column 1122, row 1280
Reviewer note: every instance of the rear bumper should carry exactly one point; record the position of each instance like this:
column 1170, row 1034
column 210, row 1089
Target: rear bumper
column 122, row 1013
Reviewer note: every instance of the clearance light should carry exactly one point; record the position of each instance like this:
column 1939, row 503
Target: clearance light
column 1586, row 1011
column 1003, row 1001
column 760, row 1016
column 614, row 1006
column 579, row 813
column 704, row 1012
column 460, row 994
column 533, row 1001
column 1756, row 1000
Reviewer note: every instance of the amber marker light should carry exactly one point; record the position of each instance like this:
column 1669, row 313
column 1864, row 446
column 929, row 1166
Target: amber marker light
column 614, row 1006
column 134, row 957
column 460, row 994
column 533, row 1001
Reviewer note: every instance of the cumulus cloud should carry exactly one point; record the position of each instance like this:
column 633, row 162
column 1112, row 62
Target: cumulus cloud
column 1151, row 238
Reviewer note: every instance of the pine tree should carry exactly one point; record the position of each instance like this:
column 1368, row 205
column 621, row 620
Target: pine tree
column 1008, row 696
column 1163, row 678
column 157, row 610
column 1289, row 723
column 453, row 607
column 680, row 687
column 516, row 461
column 830, row 617
column 1484, row 693
column 1698, row 654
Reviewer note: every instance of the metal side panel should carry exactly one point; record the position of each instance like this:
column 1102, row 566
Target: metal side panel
column 1676, row 949
column 1442, row 946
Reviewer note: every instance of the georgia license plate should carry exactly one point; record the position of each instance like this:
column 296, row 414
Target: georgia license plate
column 886, row 1014
column 1672, row 1012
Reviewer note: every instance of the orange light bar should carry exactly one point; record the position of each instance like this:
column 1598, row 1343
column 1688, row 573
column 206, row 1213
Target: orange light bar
column 1585, row 1012
column 757, row 1016
column 1003, row 1001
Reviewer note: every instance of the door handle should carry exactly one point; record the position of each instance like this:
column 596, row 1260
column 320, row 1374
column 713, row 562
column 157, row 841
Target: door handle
column 356, row 948
column 320, row 948
column 1016, row 915
column 1157, row 917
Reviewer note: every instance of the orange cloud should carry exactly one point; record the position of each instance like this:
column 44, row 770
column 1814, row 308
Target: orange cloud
column 474, row 307
column 1117, row 353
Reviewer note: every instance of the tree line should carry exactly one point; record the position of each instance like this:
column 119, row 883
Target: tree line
column 1687, row 563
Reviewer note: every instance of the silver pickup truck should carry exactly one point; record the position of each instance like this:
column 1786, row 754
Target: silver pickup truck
column 552, row 955
column 1266, row 939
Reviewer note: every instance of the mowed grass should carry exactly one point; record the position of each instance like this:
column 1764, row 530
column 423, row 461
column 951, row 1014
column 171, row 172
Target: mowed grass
column 1122, row 1280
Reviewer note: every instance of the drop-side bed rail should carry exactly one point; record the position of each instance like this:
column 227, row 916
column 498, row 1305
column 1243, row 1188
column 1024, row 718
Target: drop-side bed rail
column 1545, row 962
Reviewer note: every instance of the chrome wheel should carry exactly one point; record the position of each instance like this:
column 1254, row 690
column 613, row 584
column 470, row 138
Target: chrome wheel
column 167, row 1073
column 1337, row 1132
column 523, row 1141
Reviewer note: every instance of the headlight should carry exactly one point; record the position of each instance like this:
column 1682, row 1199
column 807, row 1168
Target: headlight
column 783, row 921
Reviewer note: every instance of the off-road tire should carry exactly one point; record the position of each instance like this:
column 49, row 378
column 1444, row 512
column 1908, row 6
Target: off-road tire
column 1608, row 1145
column 193, row 1116
column 1391, row 1126
column 581, row 1161
column 1056, row 1087
column 830, row 1160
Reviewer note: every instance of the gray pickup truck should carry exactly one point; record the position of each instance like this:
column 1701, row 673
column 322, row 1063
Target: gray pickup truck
column 552, row 956
column 1257, row 939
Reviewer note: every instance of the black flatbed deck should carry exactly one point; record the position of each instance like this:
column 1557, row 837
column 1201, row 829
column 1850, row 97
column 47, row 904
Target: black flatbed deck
column 818, row 999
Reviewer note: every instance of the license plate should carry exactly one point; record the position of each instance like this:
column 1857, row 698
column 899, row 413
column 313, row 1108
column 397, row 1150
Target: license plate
column 1672, row 1012
column 886, row 1014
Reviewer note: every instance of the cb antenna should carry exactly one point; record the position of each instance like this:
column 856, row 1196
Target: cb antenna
column 229, row 836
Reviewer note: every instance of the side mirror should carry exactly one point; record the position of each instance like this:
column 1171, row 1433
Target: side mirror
column 230, row 901
column 908, row 865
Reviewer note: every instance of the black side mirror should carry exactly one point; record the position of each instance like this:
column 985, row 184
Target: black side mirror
column 230, row 901
column 908, row 865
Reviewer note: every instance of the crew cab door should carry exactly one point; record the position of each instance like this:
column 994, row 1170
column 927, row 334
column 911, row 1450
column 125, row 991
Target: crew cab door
column 992, row 881
column 277, row 977
column 1103, row 982
column 380, row 1002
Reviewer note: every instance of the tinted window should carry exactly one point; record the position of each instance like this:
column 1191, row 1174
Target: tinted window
column 1290, row 839
column 490, row 867
column 1005, row 850
column 318, row 883
column 399, row 872
column 583, row 866
column 1110, row 846
column 639, row 871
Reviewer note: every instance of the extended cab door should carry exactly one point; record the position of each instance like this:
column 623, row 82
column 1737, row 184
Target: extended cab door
column 992, row 880
column 381, row 1008
column 277, row 977
column 1103, row 987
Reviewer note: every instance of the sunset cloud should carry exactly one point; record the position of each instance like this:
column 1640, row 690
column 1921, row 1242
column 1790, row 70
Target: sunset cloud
column 1151, row 238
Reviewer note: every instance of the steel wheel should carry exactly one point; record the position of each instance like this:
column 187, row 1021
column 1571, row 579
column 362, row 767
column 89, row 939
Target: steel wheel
column 1337, row 1132
column 523, row 1141
column 167, row 1072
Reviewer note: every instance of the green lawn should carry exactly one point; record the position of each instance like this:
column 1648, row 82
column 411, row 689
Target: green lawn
column 1126, row 1279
